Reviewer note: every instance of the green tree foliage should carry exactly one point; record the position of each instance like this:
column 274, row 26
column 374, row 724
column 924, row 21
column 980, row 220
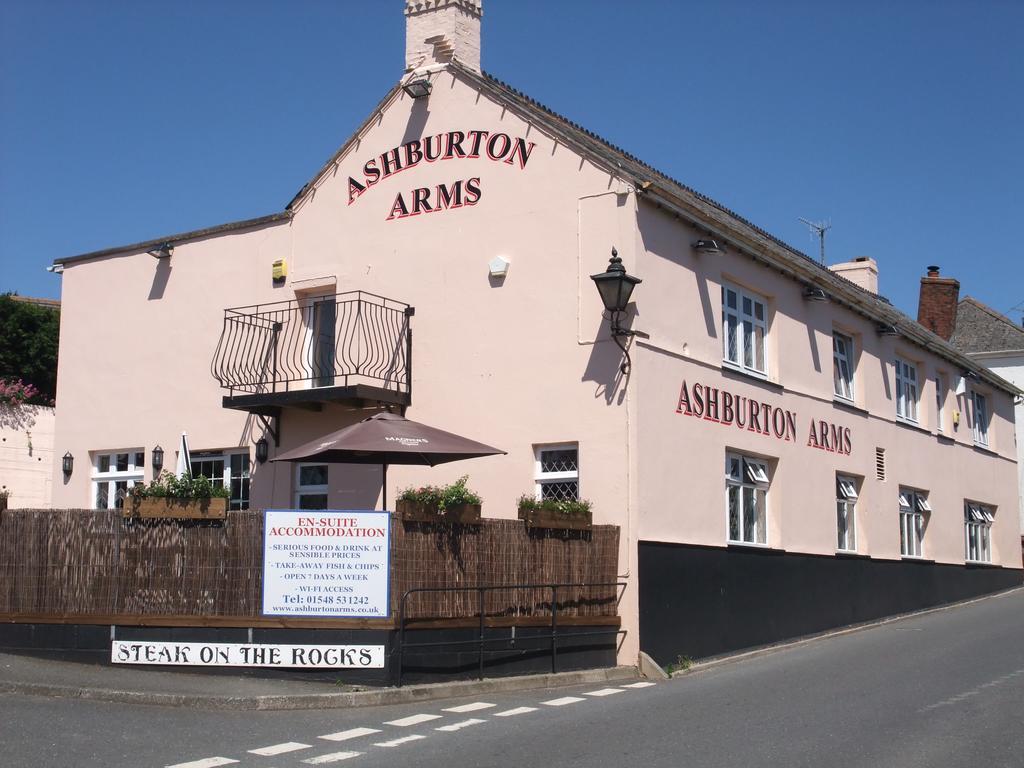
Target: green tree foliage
column 28, row 345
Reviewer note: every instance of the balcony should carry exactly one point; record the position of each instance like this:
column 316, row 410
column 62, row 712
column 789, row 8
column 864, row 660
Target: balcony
column 352, row 348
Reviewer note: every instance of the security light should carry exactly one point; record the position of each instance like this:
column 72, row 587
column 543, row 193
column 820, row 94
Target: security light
column 813, row 293
column 708, row 246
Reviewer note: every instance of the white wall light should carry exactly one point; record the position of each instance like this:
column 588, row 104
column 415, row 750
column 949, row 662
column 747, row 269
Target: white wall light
column 498, row 266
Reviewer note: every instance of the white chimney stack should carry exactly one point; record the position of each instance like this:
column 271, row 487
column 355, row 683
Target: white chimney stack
column 436, row 31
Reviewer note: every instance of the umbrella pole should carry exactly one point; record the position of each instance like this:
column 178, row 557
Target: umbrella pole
column 384, row 489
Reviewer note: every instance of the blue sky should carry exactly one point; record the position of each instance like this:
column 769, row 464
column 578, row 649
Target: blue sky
column 902, row 123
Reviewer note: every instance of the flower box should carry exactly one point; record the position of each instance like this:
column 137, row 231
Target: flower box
column 546, row 518
column 175, row 508
column 416, row 512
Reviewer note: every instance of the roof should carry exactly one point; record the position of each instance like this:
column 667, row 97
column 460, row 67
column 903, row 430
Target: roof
column 979, row 328
column 47, row 303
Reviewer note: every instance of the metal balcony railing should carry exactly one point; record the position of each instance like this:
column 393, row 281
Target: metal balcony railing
column 344, row 340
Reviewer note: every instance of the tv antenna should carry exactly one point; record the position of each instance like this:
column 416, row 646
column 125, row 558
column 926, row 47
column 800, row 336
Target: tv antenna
column 820, row 228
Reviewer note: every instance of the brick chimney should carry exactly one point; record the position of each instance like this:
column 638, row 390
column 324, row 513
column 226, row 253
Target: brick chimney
column 863, row 271
column 936, row 309
column 436, row 31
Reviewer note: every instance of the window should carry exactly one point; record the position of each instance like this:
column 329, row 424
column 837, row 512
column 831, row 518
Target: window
column 980, row 408
column 978, row 521
column 557, row 472
column 842, row 365
column 746, row 484
column 846, row 503
column 226, row 470
column 940, row 396
column 913, row 507
column 113, row 474
column 311, row 486
column 906, row 390
column 744, row 328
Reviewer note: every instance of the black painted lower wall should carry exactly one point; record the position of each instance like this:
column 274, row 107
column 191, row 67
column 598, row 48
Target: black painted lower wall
column 705, row 601
column 524, row 653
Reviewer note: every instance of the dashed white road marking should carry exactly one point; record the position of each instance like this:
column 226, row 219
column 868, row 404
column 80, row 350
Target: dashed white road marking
column 516, row 711
column 397, row 742
column 972, row 692
column 562, row 701
column 405, row 722
column 207, row 762
column 332, row 757
column 352, row 733
column 641, row 684
column 476, row 705
column 603, row 692
column 460, row 725
column 279, row 749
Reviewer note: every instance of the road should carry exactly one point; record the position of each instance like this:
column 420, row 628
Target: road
column 944, row 689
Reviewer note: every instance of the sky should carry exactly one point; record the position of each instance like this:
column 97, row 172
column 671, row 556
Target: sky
column 900, row 123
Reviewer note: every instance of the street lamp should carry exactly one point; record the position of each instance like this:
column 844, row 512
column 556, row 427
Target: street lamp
column 616, row 287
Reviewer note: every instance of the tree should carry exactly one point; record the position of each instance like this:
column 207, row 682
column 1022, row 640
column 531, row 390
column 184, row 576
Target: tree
column 28, row 345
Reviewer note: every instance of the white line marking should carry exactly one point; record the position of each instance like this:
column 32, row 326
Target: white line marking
column 208, row 762
column 476, row 705
column 603, row 692
column 516, row 711
column 459, row 726
column 352, row 733
column 405, row 722
column 397, row 742
column 279, row 749
column 332, row 757
column 562, row 701
column 639, row 685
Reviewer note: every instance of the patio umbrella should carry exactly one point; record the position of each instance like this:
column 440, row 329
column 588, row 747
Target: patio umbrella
column 184, row 465
column 387, row 438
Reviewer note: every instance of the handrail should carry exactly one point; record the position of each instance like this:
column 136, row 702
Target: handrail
column 480, row 640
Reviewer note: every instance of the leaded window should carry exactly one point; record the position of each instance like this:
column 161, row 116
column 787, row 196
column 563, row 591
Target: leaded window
column 744, row 329
column 978, row 521
column 906, row 390
column 846, row 511
column 913, row 508
column 746, row 486
column 557, row 472
column 842, row 365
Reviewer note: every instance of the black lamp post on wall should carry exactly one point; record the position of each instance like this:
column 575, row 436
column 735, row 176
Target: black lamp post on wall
column 158, row 460
column 616, row 287
column 262, row 449
column 68, row 464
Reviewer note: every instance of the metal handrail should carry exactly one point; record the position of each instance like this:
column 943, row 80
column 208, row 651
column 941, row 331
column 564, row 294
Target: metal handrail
column 480, row 640
column 324, row 341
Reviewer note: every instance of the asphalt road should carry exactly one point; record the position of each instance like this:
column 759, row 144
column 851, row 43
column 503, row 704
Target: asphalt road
column 945, row 689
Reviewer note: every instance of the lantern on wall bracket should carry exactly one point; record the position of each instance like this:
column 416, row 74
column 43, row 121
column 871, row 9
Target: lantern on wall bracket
column 616, row 287
column 158, row 459
column 262, row 450
column 417, row 88
column 68, row 464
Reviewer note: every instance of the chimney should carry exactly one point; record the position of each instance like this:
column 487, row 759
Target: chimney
column 936, row 309
column 437, row 31
column 863, row 271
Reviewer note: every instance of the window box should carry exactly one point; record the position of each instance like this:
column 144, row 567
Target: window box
column 539, row 517
column 421, row 512
column 177, row 509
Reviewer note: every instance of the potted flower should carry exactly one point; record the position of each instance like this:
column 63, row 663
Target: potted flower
column 561, row 515
column 185, row 498
column 454, row 503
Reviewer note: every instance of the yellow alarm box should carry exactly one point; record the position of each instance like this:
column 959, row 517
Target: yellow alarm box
column 280, row 270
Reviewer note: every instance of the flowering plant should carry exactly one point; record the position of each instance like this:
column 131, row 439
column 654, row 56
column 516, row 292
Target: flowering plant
column 443, row 497
column 17, row 392
column 568, row 508
column 187, row 487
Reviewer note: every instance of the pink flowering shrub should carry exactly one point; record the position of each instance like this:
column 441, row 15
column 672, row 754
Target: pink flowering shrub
column 17, row 392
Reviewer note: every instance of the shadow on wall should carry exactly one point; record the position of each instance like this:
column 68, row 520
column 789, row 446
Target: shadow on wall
column 417, row 120
column 160, row 277
column 604, row 367
column 20, row 417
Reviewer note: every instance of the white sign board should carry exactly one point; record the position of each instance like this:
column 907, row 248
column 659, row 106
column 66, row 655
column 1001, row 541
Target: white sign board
column 247, row 655
column 326, row 563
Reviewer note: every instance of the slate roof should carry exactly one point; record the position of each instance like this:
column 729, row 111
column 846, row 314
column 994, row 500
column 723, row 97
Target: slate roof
column 979, row 328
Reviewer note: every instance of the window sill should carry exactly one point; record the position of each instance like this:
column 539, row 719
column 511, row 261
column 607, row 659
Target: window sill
column 913, row 559
column 984, row 449
column 849, row 554
column 912, row 425
column 749, row 547
column 849, row 405
column 733, row 371
column 942, row 437
column 980, row 564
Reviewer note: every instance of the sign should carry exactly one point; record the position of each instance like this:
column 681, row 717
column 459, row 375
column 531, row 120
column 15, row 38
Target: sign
column 326, row 563
column 246, row 655
column 713, row 404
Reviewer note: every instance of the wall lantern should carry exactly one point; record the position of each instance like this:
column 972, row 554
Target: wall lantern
column 261, row 450
column 708, row 246
column 68, row 464
column 616, row 286
column 158, row 459
column 417, row 89
column 884, row 329
column 163, row 251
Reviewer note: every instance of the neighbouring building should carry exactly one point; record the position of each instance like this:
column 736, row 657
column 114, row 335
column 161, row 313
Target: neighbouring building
column 781, row 448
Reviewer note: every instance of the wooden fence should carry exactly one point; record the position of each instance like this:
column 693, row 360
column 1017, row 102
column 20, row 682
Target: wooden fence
column 94, row 566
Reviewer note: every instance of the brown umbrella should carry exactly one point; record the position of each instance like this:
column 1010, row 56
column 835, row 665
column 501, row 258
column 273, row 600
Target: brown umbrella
column 387, row 438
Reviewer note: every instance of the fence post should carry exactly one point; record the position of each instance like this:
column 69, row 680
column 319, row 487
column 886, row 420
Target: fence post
column 480, row 593
column 554, row 628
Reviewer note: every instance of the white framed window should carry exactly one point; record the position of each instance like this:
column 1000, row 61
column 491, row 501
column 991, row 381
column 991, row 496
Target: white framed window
column 978, row 520
column 842, row 365
column 979, row 408
column 906, row 390
column 227, row 469
column 846, row 513
column 746, row 495
column 311, row 486
column 556, row 472
column 940, row 398
column 744, row 329
column 113, row 474
column 913, row 508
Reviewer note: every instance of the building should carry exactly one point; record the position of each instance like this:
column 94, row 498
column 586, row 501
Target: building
column 780, row 447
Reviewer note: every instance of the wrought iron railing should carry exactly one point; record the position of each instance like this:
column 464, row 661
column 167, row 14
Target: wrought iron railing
column 328, row 341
